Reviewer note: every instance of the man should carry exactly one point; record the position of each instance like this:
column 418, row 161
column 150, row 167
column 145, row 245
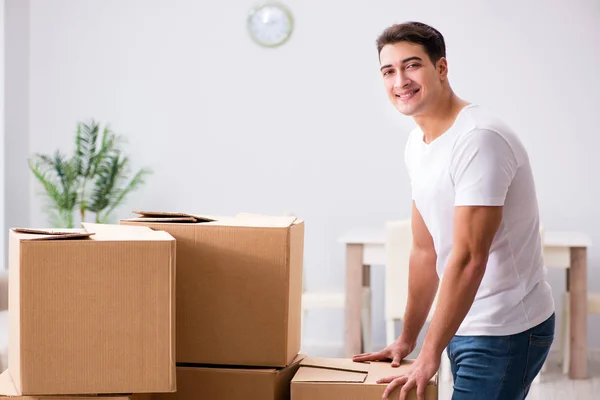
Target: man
column 475, row 225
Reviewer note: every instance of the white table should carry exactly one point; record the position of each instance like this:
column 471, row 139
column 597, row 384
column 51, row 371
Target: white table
column 565, row 250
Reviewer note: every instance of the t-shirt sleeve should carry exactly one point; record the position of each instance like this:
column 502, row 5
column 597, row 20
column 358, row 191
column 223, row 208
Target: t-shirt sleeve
column 482, row 168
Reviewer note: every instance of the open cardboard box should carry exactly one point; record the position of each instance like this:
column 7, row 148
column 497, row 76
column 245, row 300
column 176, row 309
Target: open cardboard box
column 239, row 286
column 344, row 379
column 91, row 311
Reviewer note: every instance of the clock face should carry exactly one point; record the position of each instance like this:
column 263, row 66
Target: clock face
column 270, row 24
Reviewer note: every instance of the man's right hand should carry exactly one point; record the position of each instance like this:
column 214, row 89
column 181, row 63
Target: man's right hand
column 395, row 352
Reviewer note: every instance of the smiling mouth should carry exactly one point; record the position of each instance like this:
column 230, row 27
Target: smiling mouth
column 407, row 95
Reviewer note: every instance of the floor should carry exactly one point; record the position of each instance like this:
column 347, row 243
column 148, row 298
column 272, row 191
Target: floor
column 554, row 385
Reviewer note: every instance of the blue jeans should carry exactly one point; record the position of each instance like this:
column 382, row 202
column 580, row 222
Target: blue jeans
column 499, row 367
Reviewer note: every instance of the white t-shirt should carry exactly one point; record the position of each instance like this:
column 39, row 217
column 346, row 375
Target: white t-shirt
column 480, row 161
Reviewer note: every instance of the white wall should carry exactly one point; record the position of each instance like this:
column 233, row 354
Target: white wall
column 16, row 124
column 306, row 128
column 2, row 122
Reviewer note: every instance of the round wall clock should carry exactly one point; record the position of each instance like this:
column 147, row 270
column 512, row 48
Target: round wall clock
column 270, row 24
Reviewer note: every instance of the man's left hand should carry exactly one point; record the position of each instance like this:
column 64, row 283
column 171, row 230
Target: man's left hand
column 418, row 375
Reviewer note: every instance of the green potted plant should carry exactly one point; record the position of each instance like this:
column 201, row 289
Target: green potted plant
column 96, row 179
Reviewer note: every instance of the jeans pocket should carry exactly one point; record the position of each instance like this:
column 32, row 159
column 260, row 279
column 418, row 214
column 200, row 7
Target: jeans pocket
column 541, row 340
column 537, row 352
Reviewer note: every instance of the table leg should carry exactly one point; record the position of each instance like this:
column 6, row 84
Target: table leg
column 354, row 285
column 366, row 319
column 578, row 308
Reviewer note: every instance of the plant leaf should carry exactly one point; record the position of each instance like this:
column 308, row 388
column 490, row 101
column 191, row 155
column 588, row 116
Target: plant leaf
column 120, row 194
column 59, row 179
column 85, row 147
column 107, row 176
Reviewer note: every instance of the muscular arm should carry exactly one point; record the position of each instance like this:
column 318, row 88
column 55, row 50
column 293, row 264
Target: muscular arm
column 422, row 287
column 422, row 279
column 474, row 230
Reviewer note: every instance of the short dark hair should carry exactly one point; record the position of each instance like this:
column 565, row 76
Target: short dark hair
column 415, row 32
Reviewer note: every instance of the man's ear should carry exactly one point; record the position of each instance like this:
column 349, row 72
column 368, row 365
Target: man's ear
column 442, row 68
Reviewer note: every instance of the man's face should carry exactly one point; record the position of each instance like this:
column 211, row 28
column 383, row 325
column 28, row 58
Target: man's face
column 411, row 80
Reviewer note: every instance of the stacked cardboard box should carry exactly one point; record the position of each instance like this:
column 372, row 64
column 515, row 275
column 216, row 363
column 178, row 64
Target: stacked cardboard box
column 91, row 313
column 239, row 291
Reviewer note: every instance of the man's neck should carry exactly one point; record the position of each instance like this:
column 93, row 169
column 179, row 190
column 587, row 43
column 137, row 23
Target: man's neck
column 441, row 117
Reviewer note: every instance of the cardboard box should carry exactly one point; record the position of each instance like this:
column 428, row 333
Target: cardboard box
column 343, row 379
column 239, row 287
column 91, row 312
column 230, row 383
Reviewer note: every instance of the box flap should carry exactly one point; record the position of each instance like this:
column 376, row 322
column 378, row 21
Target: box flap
column 283, row 220
column 94, row 232
column 125, row 232
column 112, row 228
column 239, row 220
column 298, row 358
column 331, row 370
column 258, row 221
column 295, row 363
column 165, row 216
column 341, row 364
column 47, row 234
column 310, row 374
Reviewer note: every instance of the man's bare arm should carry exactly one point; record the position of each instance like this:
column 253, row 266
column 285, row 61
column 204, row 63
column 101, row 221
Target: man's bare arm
column 423, row 280
column 474, row 230
column 422, row 287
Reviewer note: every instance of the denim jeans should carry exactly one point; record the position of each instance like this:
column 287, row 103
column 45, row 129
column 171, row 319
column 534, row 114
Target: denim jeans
column 499, row 367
